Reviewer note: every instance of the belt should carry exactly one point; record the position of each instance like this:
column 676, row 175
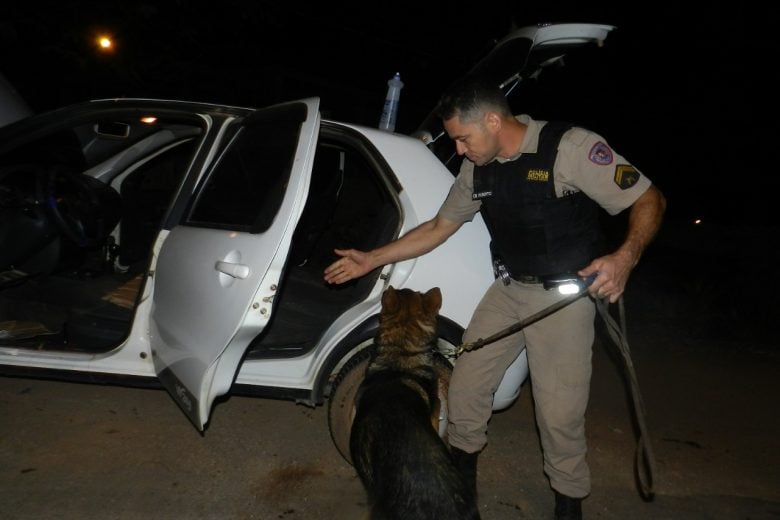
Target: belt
column 527, row 278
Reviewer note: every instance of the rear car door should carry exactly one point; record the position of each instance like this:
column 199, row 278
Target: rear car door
column 217, row 272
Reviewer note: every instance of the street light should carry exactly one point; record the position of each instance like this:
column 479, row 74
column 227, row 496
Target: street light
column 105, row 43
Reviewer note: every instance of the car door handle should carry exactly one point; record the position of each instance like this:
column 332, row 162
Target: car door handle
column 231, row 269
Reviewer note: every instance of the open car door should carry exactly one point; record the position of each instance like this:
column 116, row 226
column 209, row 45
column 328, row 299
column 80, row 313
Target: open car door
column 217, row 271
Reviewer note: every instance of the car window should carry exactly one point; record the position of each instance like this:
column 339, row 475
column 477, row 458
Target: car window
column 245, row 188
column 146, row 193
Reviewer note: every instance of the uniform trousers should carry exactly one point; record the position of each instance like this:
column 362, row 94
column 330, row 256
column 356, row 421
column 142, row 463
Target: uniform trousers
column 559, row 350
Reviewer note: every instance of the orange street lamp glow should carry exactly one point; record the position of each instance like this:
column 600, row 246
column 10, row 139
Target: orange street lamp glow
column 105, row 43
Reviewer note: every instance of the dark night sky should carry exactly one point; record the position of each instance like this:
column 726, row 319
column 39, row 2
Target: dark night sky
column 674, row 93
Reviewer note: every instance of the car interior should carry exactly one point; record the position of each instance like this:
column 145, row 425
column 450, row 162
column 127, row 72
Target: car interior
column 350, row 205
column 81, row 208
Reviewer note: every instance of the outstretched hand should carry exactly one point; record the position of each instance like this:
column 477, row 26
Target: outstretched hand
column 352, row 264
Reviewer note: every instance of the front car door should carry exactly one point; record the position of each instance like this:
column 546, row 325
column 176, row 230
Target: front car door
column 217, row 271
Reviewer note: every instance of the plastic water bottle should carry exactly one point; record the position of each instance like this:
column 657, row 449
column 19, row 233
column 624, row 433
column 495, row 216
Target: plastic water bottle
column 390, row 111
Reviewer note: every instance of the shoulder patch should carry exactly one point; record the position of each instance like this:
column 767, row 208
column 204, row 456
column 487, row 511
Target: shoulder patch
column 626, row 176
column 601, row 154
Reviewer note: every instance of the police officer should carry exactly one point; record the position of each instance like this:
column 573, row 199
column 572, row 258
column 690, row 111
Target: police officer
column 539, row 186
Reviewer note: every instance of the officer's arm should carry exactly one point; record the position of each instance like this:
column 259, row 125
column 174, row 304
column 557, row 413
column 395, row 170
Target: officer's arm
column 418, row 241
column 644, row 220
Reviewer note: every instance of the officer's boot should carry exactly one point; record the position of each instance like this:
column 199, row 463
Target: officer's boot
column 467, row 466
column 567, row 508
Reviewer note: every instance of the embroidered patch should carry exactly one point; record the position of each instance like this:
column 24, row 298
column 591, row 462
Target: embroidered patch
column 537, row 175
column 625, row 176
column 600, row 154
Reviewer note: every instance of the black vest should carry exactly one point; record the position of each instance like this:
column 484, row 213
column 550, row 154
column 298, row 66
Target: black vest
column 532, row 231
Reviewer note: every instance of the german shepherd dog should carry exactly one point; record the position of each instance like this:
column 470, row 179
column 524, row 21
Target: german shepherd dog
column 404, row 464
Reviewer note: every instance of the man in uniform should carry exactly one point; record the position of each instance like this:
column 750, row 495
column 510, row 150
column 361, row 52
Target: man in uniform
column 539, row 186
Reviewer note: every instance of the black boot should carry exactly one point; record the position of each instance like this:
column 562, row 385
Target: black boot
column 467, row 466
column 567, row 508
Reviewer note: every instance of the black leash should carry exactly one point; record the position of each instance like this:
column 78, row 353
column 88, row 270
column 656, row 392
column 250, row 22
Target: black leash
column 520, row 325
column 645, row 460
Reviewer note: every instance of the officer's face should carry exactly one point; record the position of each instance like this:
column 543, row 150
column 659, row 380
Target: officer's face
column 475, row 139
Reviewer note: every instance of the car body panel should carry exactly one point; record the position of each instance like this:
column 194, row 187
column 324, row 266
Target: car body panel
column 214, row 288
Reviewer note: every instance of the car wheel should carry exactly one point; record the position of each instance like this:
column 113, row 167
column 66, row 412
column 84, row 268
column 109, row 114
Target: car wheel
column 341, row 402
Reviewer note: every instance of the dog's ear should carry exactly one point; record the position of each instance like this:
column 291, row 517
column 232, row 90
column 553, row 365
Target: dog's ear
column 432, row 300
column 389, row 299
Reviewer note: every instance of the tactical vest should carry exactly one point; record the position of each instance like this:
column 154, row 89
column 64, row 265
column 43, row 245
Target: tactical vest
column 534, row 232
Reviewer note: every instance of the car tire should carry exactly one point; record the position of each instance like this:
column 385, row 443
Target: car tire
column 341, row 402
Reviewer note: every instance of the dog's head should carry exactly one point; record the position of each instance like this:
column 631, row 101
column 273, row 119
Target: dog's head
column 408, row 317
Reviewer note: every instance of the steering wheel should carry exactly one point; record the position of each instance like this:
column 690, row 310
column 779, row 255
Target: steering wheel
column 84, row 209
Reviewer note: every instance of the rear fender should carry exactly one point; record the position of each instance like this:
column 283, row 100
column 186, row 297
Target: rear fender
column 361, row 336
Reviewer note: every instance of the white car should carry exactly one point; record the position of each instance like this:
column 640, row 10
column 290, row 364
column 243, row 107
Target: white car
column 150, row 240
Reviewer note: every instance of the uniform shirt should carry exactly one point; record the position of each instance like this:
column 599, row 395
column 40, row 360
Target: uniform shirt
column 585, row 162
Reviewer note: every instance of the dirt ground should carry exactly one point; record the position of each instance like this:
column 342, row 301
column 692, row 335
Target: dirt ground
column 75, row 451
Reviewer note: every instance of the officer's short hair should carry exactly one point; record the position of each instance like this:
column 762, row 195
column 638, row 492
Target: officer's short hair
column 470, row 97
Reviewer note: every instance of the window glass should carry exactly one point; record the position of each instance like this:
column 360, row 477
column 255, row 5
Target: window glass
column 245, row 188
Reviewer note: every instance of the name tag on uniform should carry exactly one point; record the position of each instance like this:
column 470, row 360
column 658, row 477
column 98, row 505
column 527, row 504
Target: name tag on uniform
column 481, row 195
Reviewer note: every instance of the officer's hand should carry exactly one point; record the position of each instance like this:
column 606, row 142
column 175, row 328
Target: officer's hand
column 352, row 264
column 613, row 272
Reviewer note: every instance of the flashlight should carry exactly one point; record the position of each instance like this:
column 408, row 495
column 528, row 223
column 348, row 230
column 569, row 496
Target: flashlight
column 568, row 283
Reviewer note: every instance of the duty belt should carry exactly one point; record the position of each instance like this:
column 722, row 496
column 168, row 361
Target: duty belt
column 526, row 278
column 500, row 270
